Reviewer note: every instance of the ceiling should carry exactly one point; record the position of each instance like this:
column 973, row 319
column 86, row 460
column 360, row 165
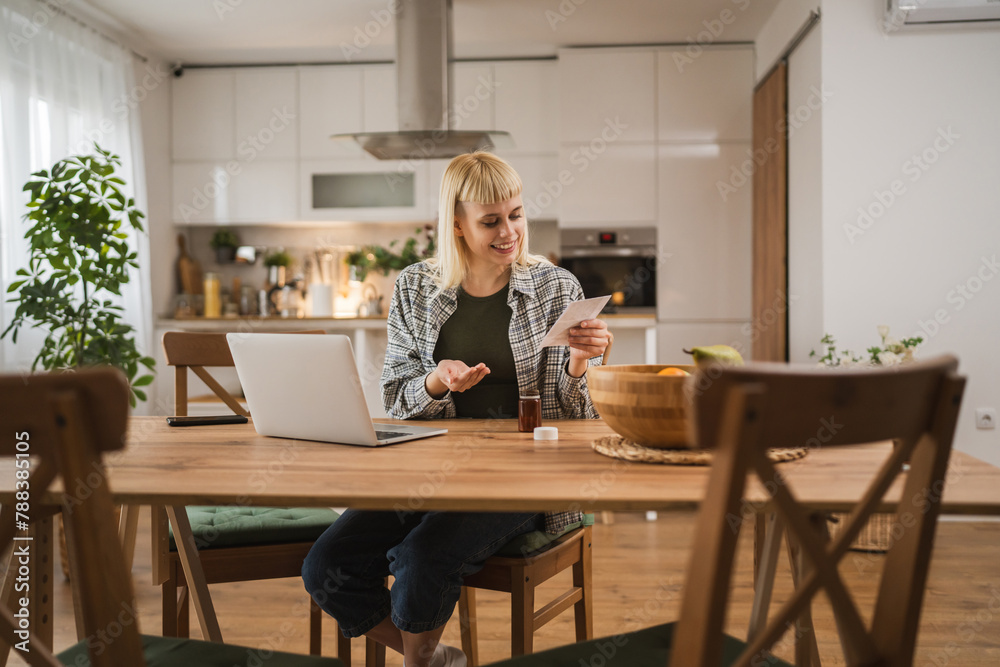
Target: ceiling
column 301, row 31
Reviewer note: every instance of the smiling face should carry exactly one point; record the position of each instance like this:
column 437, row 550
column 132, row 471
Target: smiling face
column 492, row 232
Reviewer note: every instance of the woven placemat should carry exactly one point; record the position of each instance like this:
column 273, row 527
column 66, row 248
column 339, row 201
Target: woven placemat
column 619, row 447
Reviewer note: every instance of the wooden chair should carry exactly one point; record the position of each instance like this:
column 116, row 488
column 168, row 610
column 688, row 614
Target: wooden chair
column 243, row 558
column 71, row 420
column 519, row 575
column 742, row 412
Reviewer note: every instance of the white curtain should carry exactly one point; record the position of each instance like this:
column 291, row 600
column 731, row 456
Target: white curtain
column 63, row 86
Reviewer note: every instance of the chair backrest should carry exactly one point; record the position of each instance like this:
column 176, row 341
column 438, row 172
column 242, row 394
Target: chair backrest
column 188, row 350
column 741, row 412
column 65, row 422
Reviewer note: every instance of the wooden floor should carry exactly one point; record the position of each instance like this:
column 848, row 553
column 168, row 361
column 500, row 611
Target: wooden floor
column 638, row 572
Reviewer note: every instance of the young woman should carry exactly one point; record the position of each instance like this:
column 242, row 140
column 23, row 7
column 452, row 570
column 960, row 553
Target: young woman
column 464, row 329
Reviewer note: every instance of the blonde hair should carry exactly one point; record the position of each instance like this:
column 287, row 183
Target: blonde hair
column 482, row 178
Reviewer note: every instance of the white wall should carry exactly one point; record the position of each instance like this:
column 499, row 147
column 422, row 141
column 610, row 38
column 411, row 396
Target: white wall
column 930, row 96
column 155, row 118
column 778, row 31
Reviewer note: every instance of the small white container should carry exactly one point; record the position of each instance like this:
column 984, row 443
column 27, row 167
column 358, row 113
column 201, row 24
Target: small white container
column 546, row 433
column 322, row 299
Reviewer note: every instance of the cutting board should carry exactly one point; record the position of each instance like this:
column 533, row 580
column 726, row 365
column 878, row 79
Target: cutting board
column 188, row 270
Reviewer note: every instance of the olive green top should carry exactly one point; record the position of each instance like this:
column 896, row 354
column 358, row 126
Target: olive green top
column 478, row 332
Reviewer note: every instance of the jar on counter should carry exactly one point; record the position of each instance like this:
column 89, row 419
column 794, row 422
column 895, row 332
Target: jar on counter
column 213, row 295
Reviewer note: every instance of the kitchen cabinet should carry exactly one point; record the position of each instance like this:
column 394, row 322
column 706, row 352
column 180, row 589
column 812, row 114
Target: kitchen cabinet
column 706, row 231
column 705, row 99
column 267, row 113
column 330, row 102
column 203, row 105
column 472, row 96
column 602, row 87
column 266, row 191
column 201, row 192
column 526, row 104
column 257, row 192
column 363, row 190
column 607, row 184
column 380, row 105
column 540, row 180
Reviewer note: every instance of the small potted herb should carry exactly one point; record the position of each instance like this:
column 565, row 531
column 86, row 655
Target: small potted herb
column 376, row 258
column 277, row 263
column 224, row 242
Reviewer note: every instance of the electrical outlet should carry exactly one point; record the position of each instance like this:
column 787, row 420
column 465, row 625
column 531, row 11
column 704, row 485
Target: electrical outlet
column 986, row 418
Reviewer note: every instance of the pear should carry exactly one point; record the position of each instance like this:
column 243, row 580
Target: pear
column 715, row 354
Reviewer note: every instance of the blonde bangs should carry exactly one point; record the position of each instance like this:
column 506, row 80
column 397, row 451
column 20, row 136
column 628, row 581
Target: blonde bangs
column 488, row 181
column 481, row 178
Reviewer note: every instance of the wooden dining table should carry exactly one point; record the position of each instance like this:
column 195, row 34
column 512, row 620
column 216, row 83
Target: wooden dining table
column 477, row 465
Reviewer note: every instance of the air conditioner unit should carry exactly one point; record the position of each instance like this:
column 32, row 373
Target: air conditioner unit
column 910, row 13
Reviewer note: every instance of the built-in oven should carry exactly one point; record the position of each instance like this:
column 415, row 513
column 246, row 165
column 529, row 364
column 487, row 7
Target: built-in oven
column 620, row 262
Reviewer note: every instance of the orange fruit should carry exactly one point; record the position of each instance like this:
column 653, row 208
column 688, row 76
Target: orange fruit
column 674, row 372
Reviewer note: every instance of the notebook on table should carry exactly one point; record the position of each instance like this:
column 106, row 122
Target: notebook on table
column 308, row 388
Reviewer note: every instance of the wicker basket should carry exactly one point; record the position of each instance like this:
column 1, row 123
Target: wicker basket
column 874, row 536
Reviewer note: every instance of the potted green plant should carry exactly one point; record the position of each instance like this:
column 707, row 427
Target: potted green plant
column 377, row 258
column 277, row 264
column 79, row 256
column 278, row 258
column 224, row 242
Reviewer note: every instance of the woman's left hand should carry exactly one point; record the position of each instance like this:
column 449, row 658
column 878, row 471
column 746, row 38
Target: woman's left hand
column 588, row 339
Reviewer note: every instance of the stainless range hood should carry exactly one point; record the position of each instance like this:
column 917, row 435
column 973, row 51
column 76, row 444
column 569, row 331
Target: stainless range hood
column 423, row 78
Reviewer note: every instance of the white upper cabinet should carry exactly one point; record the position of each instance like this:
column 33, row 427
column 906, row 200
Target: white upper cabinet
column 330, row 102
column 540, row 180
column 707, row 98
column 379, row 83
column 202, row 192
column 527, row 105
column 602, row 88
column 266, row 191
column 606, row 184
column 267, row 113
column 203, row 104
column 705, row 226
column 472, row 96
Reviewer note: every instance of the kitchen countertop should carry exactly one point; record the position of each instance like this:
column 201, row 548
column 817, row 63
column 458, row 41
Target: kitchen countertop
column 345, row 322
column 270, row 323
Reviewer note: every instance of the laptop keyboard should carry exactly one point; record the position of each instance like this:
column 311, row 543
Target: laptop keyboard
column 385, row 435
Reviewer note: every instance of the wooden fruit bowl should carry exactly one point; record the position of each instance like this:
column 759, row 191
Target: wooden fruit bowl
column 644, row 407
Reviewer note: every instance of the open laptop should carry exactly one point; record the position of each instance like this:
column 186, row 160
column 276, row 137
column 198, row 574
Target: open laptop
column 307, row 387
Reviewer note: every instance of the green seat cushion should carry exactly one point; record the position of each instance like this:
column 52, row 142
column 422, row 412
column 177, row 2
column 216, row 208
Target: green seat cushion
column 529, row 543
column 173, row 652
column 236, row 526
column 644, row 648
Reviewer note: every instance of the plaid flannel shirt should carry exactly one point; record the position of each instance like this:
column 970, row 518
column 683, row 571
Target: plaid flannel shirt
column 538, row 295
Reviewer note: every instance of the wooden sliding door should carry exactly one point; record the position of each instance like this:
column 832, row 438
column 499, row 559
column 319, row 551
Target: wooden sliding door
column 770, row 217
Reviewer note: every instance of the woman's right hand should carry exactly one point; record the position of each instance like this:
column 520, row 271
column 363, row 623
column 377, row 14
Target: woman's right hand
column 453, row 375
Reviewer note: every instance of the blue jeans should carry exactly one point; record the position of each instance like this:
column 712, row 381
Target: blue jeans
column 428, row 553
